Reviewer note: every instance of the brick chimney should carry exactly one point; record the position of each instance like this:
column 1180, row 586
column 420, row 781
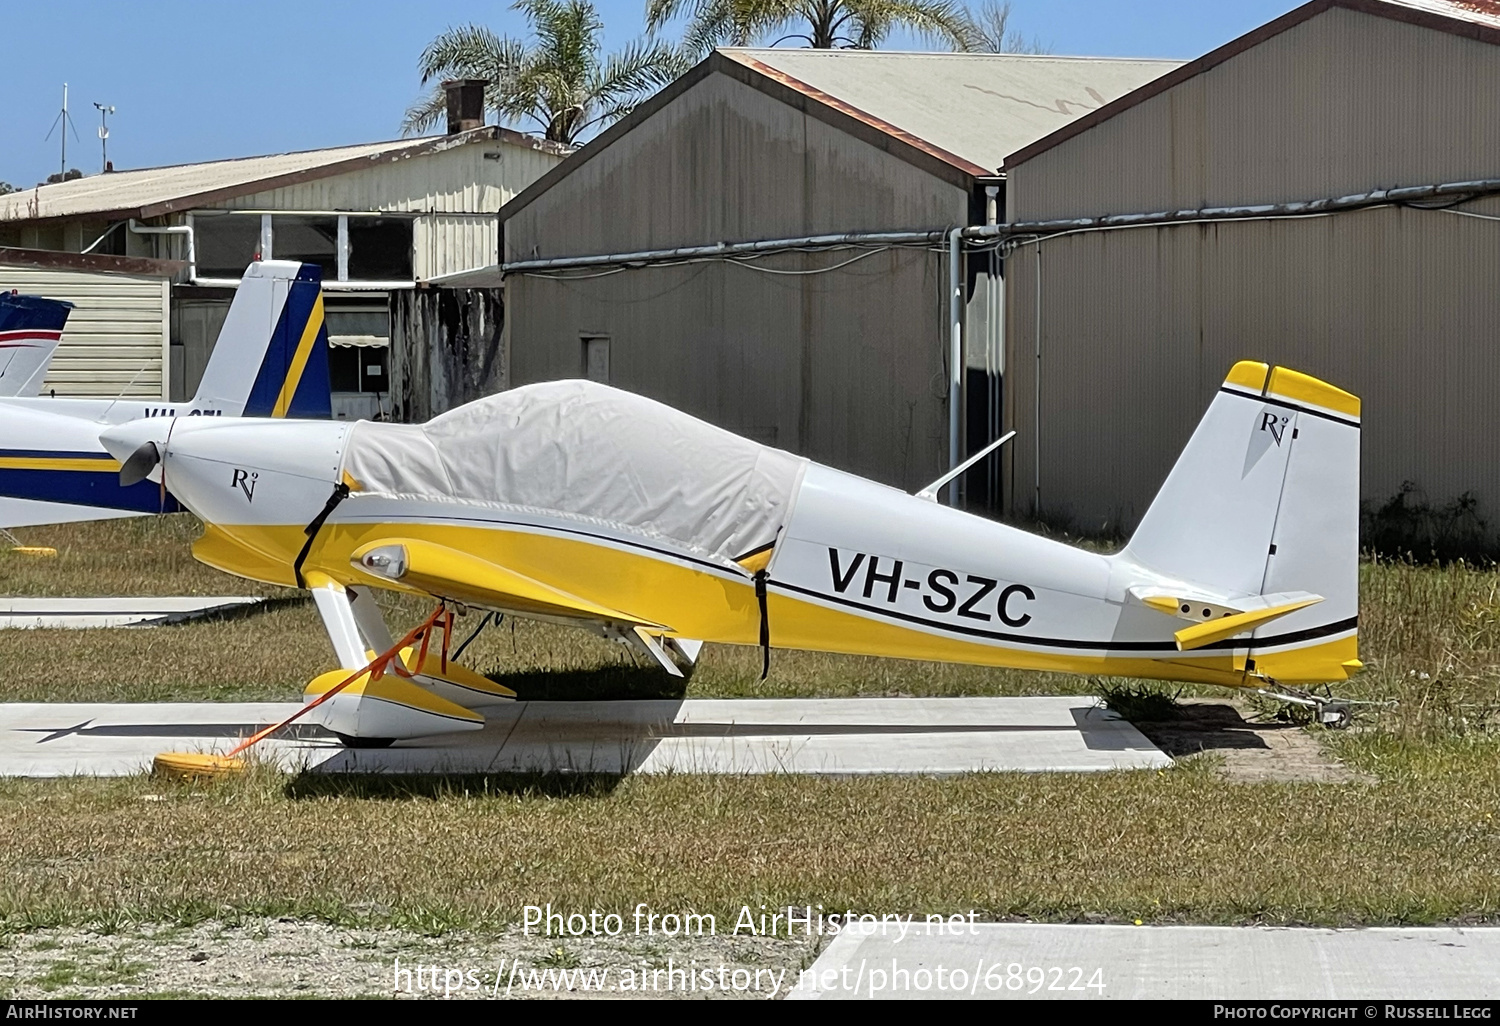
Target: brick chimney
column 465, row 103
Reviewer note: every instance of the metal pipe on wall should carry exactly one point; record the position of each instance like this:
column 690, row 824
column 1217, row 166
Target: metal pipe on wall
column 955, row 355
column 727, row 249
column 174, row 229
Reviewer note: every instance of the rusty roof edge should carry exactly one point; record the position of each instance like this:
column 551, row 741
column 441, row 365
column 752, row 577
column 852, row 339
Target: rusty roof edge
column 104, row 262
column 879, row 124
column 1237, row 46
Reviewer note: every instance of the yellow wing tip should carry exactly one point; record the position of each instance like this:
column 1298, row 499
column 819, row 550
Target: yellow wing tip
column 1304, row 388
column 1162, row 603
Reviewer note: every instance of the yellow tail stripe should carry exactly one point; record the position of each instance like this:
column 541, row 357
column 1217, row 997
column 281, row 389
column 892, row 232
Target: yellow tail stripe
column 299, row 359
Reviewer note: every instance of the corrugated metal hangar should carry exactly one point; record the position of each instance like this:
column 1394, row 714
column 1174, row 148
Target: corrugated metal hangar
column 380, row 218
column 1133, row 329
column 836, row 352
column 117, row 339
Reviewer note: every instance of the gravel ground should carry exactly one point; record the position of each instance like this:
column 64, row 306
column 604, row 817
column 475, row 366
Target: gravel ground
column 291, row 958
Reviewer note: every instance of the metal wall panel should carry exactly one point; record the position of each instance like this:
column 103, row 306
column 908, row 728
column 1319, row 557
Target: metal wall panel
column 1342, row 103
column 845, row 367
column 1138, row 329
column 115, row 338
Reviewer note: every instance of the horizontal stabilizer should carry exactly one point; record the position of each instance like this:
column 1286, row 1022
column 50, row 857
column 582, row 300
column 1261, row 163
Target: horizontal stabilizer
column 1228, row 626
column 448, row 573
column 1199, row 605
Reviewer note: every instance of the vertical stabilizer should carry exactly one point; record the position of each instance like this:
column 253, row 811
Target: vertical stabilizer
column 30, row 329
column 271, row 357
column 1265, row 501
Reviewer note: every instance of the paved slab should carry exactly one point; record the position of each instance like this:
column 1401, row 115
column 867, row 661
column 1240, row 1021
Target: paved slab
column 1013, row 960
column 818, row 736
column 80, row 613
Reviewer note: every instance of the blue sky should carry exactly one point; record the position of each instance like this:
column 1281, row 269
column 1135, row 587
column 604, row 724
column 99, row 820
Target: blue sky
column 207, row 79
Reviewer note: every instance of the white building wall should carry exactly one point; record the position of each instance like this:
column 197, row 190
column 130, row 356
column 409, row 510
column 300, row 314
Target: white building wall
column 456, row 192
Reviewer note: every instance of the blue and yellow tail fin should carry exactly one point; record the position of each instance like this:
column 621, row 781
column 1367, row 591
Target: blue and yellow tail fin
column 293, row 377
column 271, row 358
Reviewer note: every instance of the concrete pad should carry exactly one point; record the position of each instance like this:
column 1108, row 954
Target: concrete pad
column 1185, row 962
column 80, row 613
column 841, row 736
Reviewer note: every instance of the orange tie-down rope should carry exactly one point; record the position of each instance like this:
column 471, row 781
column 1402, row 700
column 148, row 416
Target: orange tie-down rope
column 197, row 765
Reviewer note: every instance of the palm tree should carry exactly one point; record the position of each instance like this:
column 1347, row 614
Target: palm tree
column 824, row 24
column 559, row 81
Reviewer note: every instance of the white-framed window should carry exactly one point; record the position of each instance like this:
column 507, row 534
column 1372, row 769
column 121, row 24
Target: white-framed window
column 356, row 248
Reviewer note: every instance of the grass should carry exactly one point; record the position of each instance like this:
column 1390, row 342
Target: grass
column 467, row 853
column 112, row 971
column 441, row 854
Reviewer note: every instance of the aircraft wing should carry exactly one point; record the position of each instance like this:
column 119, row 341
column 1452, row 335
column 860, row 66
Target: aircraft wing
column 450, row 573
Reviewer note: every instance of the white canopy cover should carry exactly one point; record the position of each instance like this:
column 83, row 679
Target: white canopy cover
column 591, row 452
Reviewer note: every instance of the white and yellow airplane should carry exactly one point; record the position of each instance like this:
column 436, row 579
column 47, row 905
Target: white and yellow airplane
column 577, row 503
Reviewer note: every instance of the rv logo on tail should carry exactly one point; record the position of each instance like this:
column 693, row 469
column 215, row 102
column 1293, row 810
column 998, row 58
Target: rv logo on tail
column 1275, row 423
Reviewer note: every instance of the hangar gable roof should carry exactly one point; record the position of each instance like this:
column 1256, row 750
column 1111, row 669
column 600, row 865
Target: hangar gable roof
column 1475, row 19
column 956, row 114
column 974, row 107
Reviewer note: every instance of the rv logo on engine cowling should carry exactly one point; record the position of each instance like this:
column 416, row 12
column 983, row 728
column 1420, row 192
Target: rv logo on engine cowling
column 244, row 480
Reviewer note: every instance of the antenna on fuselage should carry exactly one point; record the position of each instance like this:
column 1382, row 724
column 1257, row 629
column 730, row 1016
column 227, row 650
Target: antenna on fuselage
column 930, row 492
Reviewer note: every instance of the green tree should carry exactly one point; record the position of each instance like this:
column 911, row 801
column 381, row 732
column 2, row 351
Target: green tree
column 6, row 188
column 560, row 82
column 823, row 24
